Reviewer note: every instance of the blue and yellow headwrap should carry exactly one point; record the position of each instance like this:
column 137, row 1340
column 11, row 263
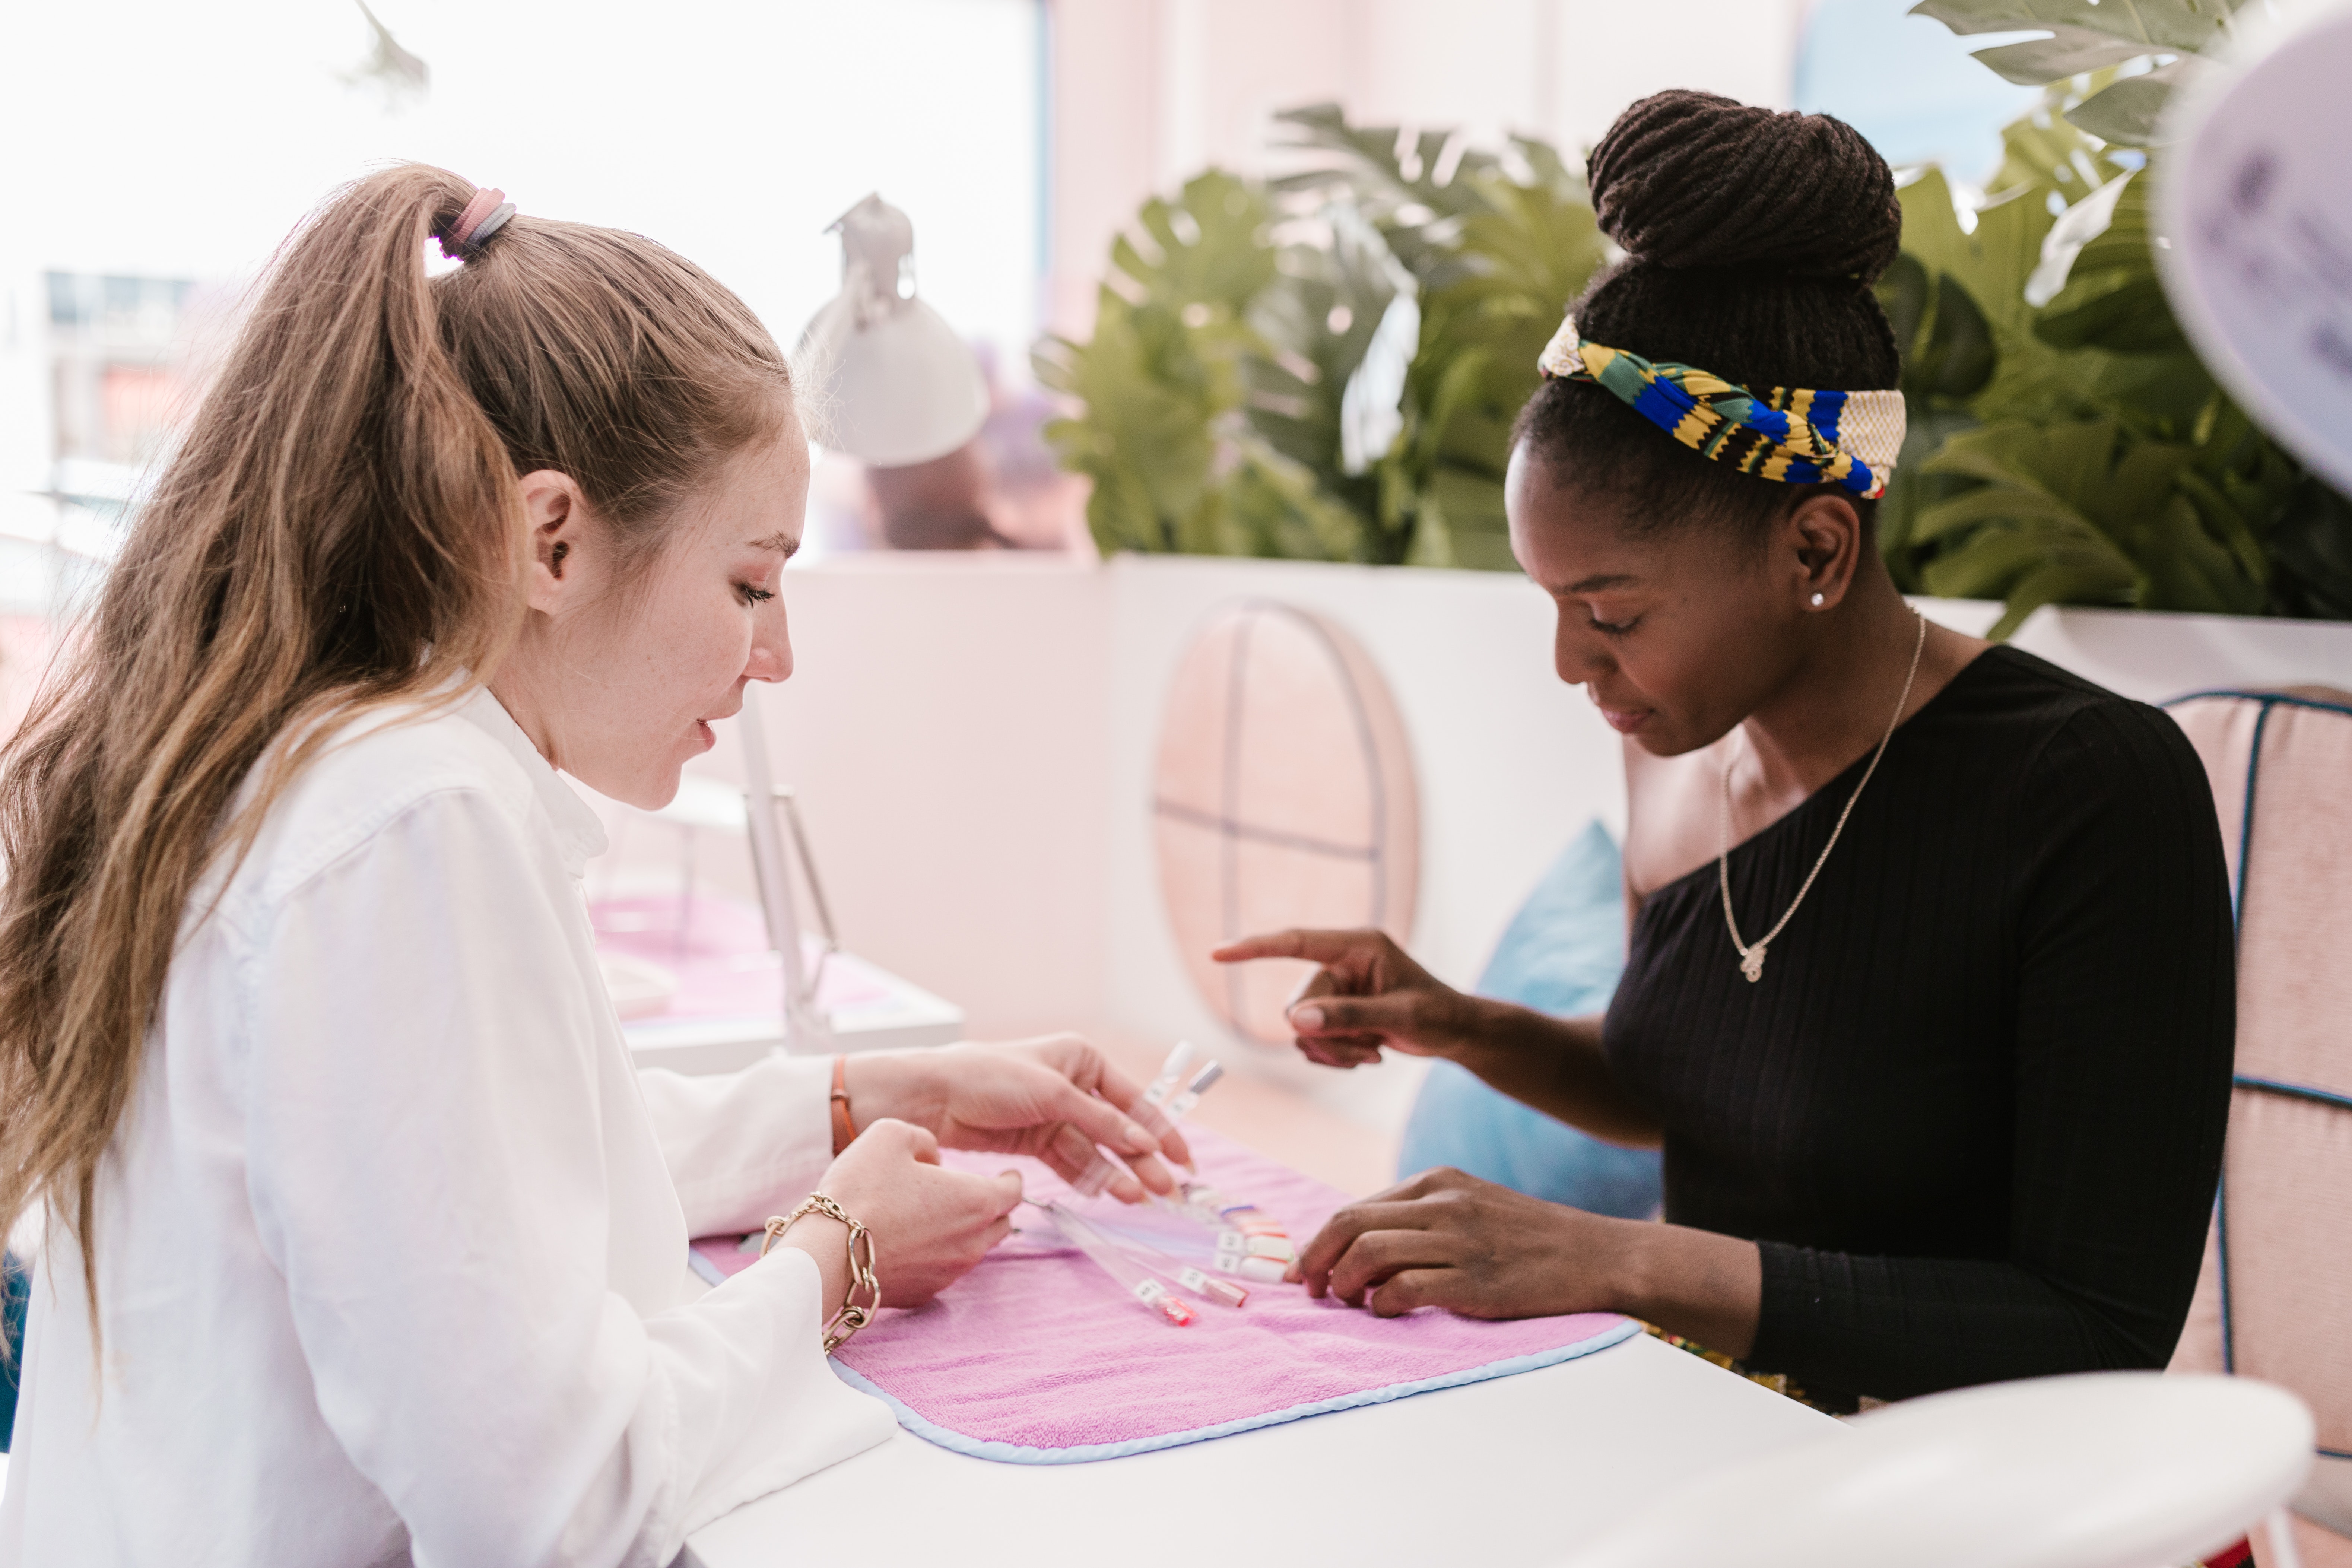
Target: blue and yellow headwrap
column 1795, row 436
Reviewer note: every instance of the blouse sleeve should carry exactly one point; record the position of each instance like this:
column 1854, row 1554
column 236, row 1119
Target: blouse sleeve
column 743, row 1145
column 428, row 1166
column 2126, row 1010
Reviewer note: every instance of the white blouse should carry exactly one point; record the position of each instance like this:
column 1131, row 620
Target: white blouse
column 392, row 1237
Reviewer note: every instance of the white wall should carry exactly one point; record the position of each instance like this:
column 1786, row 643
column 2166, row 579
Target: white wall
column 972, row 739
column 944, row 731
column 2154, row 656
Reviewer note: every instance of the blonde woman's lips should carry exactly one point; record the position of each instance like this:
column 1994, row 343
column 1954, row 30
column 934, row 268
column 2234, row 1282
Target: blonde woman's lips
column 1625, row 721
column 704, row 734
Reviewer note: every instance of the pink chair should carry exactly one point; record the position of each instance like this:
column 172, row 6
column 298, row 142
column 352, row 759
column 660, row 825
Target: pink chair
column 2274, row 1300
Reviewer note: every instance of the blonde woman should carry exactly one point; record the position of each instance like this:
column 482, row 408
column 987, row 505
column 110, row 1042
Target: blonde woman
column 365, row 1244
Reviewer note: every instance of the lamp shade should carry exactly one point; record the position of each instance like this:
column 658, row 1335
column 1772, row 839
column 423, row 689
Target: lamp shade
column 888, row 381
column 2256, row 215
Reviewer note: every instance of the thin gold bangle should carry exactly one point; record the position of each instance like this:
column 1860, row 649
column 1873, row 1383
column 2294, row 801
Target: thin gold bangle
column 855, row 1314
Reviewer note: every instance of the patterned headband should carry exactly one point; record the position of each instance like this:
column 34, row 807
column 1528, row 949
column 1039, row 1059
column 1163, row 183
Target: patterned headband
column 1797, row 438
column 484, row 216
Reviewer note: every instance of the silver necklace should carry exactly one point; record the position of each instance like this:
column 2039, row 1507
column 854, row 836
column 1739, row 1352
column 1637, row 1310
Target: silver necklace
column 1751, row 958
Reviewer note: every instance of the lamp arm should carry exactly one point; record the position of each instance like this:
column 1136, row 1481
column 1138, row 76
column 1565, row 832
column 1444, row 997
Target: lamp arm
column 807, row 1030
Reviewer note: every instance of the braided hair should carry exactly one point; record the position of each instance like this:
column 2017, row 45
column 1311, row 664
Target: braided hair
column 1752, row 239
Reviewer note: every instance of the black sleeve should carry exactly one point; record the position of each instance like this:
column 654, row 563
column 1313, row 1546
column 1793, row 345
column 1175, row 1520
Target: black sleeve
column 2126, row 1018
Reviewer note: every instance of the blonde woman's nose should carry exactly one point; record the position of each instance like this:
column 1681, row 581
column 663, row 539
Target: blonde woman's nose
column 772, row 654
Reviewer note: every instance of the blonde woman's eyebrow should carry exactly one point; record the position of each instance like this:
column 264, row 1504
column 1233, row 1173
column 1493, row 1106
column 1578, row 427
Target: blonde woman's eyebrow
column 784, row 544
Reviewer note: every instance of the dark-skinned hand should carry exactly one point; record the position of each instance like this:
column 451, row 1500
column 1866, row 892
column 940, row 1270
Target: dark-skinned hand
column 1447, row 1239
column 1367, row 993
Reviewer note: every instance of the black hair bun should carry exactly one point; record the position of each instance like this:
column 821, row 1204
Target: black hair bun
column 1690, row 179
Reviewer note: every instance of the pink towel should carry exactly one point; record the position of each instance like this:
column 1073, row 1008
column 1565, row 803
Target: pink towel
column 1039, row 1357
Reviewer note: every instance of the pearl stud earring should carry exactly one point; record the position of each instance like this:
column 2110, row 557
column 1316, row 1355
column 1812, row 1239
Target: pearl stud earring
column 1817, row 601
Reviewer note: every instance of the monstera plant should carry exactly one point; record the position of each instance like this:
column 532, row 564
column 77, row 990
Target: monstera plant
column 2066, row 445
column 1325, row 366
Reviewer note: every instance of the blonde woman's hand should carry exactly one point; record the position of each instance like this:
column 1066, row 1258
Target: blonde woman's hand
column 930, row 1225
column 1367, row 993
column 1053, row 1098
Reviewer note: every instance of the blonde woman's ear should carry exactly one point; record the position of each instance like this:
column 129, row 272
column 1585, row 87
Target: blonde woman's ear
column 554, row 507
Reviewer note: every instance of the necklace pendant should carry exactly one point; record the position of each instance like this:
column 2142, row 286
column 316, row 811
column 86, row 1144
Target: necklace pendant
column 1751, row 963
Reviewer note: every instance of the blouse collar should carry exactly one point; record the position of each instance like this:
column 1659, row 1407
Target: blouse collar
column 577, row 829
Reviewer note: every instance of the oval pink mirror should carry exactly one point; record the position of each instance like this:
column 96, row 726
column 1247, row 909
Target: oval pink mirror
column 1283, row 797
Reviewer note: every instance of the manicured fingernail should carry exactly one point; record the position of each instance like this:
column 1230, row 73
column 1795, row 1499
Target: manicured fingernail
column 1308, row 1017
column 1135, row 1135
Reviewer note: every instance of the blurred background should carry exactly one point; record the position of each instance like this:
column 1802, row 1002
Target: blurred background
column 152, row 154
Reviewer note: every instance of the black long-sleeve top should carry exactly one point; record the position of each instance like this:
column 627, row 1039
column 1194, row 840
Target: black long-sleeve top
column 1973, row 1111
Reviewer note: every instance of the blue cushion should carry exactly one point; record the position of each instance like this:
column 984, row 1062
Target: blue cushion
column 1561, row 954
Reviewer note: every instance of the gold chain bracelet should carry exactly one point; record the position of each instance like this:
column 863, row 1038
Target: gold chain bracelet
column 855, row 1314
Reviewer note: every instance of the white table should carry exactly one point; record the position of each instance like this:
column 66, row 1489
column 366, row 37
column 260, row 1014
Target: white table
column 1512, row 1472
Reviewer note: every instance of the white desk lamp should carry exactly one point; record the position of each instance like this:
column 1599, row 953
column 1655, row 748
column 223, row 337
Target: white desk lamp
column 2118, row 1469
column 888, row 380
column 2255, row 214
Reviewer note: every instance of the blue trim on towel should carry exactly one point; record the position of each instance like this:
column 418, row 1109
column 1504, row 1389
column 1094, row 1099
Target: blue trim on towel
column 1085, row 1453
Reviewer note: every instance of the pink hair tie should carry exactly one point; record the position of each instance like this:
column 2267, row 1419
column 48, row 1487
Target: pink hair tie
column 484, row 216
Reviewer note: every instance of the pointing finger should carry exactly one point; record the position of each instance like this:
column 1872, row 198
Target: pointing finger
column 1315, row 946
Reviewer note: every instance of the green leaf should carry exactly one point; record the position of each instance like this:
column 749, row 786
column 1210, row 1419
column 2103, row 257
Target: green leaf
column 2122, row 309
column 1318, row 323
column 1207, row 248
column 2096, row 38
column 2131, row 111
column 2064, row 581
column 1914, row 490
column 1284, row 513
column 2311, row 554
column 2016, row 504
column 2068, row 51
column 2188, row 569
column 2155, row 27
